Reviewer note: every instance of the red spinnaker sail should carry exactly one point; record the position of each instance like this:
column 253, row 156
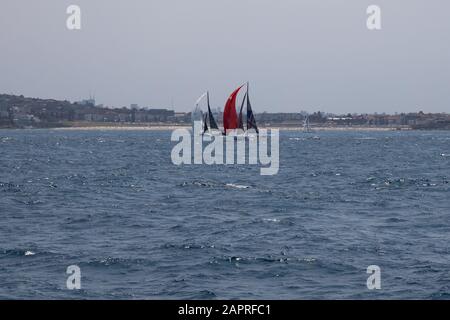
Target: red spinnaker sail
column 230, row 118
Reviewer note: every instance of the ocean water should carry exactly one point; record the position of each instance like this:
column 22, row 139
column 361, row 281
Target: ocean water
column 140, row 227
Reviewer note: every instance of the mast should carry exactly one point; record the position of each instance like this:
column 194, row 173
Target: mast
column 251, row 121
column 241, row 118
column 205, row 124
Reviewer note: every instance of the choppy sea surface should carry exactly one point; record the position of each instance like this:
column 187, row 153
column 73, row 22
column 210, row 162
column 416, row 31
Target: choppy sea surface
column 139, row 227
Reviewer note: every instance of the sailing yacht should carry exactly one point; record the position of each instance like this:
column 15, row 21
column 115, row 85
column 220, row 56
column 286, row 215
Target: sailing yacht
column 306, row 125
column 213, row 128
column 231, row 121
column 307, row 128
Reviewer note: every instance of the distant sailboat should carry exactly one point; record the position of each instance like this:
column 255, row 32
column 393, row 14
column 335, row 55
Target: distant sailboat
column 307, row 128
column 213, row 128
column 306, row 125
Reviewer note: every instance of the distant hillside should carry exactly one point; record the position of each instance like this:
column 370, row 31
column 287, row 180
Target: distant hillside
column 19, row 111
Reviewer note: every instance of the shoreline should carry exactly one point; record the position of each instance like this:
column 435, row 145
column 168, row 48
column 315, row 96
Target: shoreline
column 173, row 127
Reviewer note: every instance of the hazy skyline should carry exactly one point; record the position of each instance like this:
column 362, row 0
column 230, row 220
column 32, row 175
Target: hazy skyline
column 298, row 55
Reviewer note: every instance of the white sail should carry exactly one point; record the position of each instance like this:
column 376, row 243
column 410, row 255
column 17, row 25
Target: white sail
column 197, row 114
column 200, row 99
column 306, row 125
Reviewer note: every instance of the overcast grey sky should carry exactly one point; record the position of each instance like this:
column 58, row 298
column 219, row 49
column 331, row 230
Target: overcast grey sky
column 297, row 54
